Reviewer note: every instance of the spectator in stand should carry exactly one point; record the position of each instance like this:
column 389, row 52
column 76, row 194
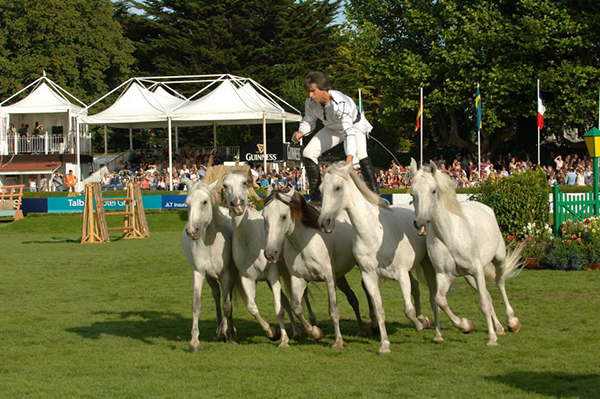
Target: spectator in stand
column 571, row 177
column 71, row 181
column 105, row 182
column 115, row 182
column 57, row 182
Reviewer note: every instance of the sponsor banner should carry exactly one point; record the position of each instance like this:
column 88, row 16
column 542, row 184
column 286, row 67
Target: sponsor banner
column 34, row 205
column 174, row 201
column 276, row 151
column 76, row 204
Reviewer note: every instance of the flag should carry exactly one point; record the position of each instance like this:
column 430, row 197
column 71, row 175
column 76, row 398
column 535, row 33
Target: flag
column 361, row 110
column 419, row 115
column 540, row 111
column 478, row 106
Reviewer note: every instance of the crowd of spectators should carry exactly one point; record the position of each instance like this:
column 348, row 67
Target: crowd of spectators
column 190, row 165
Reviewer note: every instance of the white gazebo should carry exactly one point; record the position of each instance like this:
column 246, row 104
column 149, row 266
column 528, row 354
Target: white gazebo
column 221, row 100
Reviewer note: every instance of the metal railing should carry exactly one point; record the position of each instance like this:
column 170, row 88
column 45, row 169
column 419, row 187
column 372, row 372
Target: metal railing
column 47, row 144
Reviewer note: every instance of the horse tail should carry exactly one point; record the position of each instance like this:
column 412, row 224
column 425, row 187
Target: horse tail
column 237, row 292
column 513, row 262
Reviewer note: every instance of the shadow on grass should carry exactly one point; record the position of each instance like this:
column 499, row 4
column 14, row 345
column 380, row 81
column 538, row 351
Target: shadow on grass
column 60, row 240
column 151, row 325
column 552, row 384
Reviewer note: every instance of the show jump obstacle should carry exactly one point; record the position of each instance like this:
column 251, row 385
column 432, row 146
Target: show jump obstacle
column 10, row 202
column 95, row 227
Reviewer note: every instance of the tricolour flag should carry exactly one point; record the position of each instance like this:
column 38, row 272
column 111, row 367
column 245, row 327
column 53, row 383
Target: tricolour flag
column 478, row 107
column 419, row 115
column 540, row 111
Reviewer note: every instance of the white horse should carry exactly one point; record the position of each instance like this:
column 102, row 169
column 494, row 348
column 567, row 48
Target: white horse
column 462, row 239
column 310, row 255
column 384, row 242
column 249, row 240
column 206, row 244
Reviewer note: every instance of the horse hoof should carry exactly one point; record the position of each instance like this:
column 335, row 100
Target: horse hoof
column 284, row 345
column 362, row 333
column 338, row 346
column 234, row 341
column 275, row 335
column 470, row 327
column 426, row 322
column 500, row 331
column 492, row 343
column 221, row 338
column 194, row 347
column 316, row 333
column 438, row 340
column 384, row 352
column 515, row 326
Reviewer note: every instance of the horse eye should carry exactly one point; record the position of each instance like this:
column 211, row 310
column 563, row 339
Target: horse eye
column 338, row 188
column 284, row 217
column 204, row 202
column 434, row 191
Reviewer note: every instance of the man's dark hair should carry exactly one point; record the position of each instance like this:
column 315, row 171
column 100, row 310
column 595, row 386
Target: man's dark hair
column 318, row 78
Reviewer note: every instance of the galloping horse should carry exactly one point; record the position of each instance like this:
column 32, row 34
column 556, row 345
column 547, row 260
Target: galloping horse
column 462, row 239
column 310, row 255
column 206, row 244
column 249, row 240
column 384, row 242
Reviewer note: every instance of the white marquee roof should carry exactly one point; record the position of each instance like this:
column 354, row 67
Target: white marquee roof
column 46, row 98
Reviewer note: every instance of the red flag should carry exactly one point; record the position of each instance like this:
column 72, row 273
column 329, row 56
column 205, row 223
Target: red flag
column 419, row 116
column 540, row 112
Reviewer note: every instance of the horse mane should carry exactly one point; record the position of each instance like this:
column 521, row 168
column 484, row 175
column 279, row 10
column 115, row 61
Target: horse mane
column 301, row 210
column 373, row 198
column 219, row 218
column 446, row 188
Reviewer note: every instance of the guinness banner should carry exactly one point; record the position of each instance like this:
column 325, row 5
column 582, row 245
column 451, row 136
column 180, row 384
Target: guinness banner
column 276, row 152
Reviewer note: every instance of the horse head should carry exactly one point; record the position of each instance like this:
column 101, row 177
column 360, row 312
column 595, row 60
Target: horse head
column 339, row 188
column 201, row 204
column 278, row 221
column 235, row 185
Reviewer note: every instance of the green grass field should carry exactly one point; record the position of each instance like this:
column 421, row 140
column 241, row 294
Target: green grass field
column 113, row 321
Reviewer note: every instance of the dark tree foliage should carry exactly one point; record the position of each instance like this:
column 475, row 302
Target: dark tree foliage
column 77, row 42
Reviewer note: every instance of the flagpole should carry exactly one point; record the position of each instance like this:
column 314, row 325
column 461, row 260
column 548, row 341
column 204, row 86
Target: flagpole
column 538, row 136
column 421, row 106
column 479, row 142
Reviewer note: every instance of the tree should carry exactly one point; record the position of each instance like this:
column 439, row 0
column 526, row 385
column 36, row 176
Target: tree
column 77, row 42
column 448, row 47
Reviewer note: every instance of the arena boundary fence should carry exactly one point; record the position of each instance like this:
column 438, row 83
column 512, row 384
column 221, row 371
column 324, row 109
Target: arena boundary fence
column 572, row 207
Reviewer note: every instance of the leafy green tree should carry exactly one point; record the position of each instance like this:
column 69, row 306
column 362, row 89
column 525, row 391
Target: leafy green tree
column 77, row 42
column 448, row 47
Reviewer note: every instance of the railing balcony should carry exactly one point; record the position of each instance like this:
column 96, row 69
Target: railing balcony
column 47, row 144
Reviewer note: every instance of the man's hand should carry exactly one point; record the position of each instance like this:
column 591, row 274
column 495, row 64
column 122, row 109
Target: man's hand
column 297, row 136
column 349, row 159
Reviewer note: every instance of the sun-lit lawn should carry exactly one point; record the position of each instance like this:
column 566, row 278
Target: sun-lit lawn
column 113, row 320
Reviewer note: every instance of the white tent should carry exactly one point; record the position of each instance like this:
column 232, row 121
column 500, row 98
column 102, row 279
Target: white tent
column 234, row 101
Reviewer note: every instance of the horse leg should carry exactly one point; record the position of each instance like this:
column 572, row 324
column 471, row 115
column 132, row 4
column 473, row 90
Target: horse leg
column 342, row 284
column 216, row 293
column 196, row 306
column 372, row 314
column 416, row 294
column 334, row 312
column 497, row 325
column 371, row 283
column 443, row 282
column 485, row 304
column 275, row 284
column 409, row 309
column 312, row 317
column 227, row 285
column 286, row 303
column 250, row 290
column 514, row 325
column 429, row 273
column 298, row 288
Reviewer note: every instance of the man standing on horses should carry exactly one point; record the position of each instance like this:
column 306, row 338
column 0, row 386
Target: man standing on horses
column 342, row 121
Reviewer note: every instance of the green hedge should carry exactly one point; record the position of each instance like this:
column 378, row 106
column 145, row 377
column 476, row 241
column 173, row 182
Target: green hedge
column 517, row 201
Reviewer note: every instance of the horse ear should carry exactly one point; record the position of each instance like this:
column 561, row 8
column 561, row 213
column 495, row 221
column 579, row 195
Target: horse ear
column 432, row 167
column 414, row 167
column 345, row 166
column 269, row 190
column 212, row 185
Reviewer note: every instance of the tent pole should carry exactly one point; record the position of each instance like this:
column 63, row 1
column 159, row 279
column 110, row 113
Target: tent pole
column 170, row 157
column 215, row 136
column 283, row 140
column 264, row 142
column 176, row 139
column 130, row 139
column 78, row 154
column 105, row 147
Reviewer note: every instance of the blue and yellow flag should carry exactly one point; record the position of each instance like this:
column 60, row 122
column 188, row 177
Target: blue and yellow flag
column 478, row 106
